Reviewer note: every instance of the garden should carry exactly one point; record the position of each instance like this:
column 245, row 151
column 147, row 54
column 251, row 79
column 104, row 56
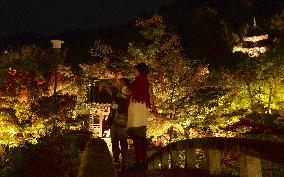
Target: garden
column 239, row 96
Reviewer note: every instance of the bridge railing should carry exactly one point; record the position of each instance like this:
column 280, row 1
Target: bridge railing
column 251, row 152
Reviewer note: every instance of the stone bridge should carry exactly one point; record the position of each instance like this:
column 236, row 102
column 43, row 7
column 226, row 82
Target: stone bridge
column 182, row 159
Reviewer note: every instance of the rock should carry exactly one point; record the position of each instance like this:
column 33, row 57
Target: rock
column 96, row 160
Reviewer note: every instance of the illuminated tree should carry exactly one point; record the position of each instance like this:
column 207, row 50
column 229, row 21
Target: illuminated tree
column 22, row 82
column 174, row 78
column 32, row 119
column 25, row 82
column 254, row 93
column 188, row 100
column 277, row 22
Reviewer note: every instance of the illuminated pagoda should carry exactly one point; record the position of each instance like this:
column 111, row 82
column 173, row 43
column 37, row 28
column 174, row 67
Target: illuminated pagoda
column 254, row 42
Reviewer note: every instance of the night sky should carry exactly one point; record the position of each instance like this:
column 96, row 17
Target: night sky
column 54, row 16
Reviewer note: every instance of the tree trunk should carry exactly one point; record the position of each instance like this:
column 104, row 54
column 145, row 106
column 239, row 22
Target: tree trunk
column 250, row 95
column 2, row 155
column 269, row 99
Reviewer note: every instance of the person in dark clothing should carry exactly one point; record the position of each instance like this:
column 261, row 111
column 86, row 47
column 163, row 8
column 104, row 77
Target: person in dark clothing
column 118, row 128
column 105, row 93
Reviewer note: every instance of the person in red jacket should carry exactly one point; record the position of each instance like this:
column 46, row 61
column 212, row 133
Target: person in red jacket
column 138, row 113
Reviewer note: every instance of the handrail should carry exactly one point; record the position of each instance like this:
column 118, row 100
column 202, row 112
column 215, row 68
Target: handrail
column 267, row 150
column 251, row 150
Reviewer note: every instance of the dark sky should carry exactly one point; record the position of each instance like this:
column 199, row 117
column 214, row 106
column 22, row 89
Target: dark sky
column 53, row 16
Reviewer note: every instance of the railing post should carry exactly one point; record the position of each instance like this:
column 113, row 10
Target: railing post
column 157, row 163
column 250, row 166
column 165, row 160
column 151, row 165
column 214, row 161
column 190, row 157
column 175, row 159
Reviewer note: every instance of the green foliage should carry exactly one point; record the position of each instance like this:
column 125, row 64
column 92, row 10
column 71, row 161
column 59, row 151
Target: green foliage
column 50, row 157
column 55, row 106
column 173, row 77
column 28, row 58
column 193, row 95
column 27, row 111
column 277, row 22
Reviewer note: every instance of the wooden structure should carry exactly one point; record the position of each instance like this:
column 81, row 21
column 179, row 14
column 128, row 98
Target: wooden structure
column 98, row 115
column 254, row 41
column 99, row 104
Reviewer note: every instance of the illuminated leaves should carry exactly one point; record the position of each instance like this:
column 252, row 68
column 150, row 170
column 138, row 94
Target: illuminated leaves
column 28, row 58
column 97, row 70
column 186, row 93
column 277, row 22
column 101, row 50
column 22, row 84
column 56, row 107
column 25, row 107
column 173, row 78
column 152, row 28
column 14, row 118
